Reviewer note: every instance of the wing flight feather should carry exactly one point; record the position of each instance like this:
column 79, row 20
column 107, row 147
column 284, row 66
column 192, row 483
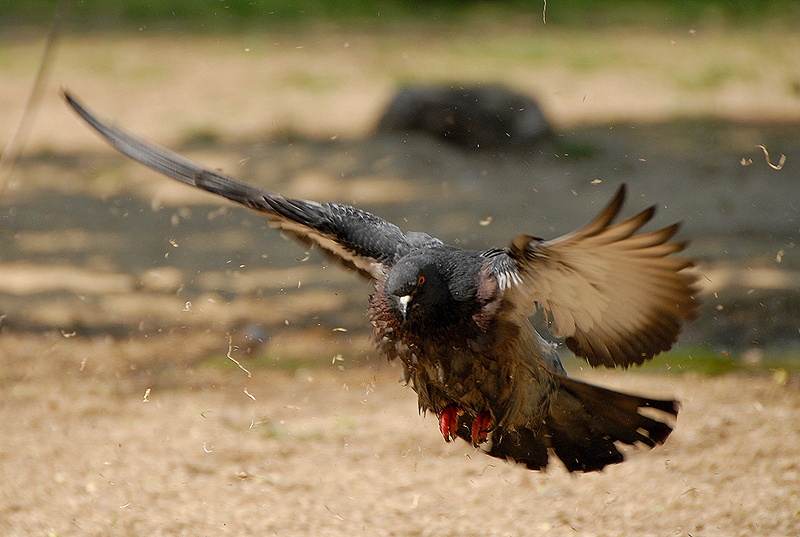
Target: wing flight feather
column 614, row 295
column 356, row 238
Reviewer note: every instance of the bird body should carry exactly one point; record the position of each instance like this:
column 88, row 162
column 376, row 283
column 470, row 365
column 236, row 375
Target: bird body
column 458, row 347
column 458, row 320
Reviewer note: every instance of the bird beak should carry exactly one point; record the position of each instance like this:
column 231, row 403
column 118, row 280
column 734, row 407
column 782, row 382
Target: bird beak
column 403, row 301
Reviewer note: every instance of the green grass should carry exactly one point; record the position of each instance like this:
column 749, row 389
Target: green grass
column 710, row 362
column 714, row 77
column 227, row 15
column 201, row 136
column 312, row 82
column 697, row 360
column 700, row 360
column 267, row 428
column 273, row 360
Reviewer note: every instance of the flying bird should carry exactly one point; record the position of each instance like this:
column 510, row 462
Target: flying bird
column 458, row 320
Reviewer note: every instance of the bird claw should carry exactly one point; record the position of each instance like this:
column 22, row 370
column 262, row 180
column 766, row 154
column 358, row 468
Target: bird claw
column 480, row 428
column 448, row 422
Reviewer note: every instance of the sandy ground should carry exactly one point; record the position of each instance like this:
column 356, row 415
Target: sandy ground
column 121, row 414
column 325, row 451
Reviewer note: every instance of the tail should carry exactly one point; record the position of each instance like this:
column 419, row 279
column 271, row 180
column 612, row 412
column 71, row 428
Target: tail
column 584, row 424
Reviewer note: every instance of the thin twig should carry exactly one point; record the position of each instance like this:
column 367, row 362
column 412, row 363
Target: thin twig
column 234, row 360
column 14, row 147
column 780, row 163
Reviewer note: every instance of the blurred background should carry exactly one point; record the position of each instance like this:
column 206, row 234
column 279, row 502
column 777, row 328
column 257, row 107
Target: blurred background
column 115, row 281
column 673, row 98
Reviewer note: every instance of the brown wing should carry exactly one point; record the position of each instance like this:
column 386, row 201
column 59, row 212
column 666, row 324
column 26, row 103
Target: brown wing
column 616, row 296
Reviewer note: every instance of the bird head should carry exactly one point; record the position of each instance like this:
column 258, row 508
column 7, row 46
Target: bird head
column 415, row 289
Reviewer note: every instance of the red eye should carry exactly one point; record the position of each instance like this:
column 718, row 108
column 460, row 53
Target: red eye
column 421, row 280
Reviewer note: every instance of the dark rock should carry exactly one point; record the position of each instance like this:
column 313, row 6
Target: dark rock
column 487, row 117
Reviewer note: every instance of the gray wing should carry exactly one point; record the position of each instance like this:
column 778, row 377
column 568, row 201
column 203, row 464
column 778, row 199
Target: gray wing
column 616, row 296
column 356, row 238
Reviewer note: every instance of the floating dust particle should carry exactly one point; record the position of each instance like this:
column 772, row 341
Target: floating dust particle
column 746, row 161
column 780, row 163
column 248, row 394
column 596, row 181
column 146, row 398
column 340, row 329
column 486, row 221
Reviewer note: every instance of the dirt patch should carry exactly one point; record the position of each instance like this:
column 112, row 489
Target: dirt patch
column 119, row 446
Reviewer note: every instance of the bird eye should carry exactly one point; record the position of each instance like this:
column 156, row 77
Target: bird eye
column 421, row 280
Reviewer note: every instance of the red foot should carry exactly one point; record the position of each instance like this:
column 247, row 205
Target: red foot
column 480, row 428
column 448, row 422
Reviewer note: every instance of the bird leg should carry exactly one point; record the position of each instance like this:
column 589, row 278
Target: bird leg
column 480, row 428
column 448, row 421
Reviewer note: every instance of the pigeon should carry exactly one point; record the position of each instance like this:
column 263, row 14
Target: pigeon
column 459, row 320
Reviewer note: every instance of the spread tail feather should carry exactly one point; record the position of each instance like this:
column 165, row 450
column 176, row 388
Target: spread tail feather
column 584, row 424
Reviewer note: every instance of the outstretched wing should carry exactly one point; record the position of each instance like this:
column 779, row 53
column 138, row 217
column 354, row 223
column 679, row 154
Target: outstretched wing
column 356, row 238
column 616, row 296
